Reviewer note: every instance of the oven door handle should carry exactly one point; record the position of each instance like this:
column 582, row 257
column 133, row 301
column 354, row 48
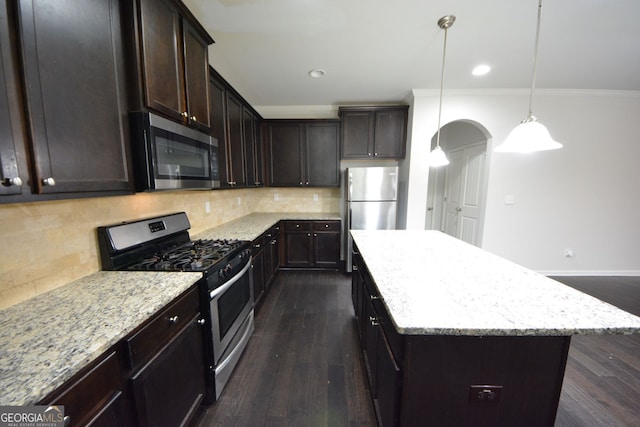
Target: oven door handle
column 214, row 293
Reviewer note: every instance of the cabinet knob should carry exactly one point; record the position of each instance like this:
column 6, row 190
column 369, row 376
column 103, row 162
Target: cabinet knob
column 257, row 246
column 17, row 181
column 369, row 154
column 194, row 118
column 374, row 321
column 173, row 320
column 297, row 225
column 375, row 154
column 326, row 226
column 185, row 114
column 300, row 182
column 307, row 182
column 308, row 234
column 201, row 322
column 66, row 421
column 48, row 181
column 373, row 297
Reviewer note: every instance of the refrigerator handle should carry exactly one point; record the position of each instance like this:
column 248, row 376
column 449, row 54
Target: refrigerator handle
column 349, row 216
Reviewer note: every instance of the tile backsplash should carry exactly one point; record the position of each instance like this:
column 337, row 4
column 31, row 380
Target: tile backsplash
column 44, row 245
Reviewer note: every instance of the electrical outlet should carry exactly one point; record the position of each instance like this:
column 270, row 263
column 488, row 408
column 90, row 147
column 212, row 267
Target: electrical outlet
column 315, row 197
column 276, row 197
column 207, row 207
column 485, row 393
column 239, row 201
column 568, row 253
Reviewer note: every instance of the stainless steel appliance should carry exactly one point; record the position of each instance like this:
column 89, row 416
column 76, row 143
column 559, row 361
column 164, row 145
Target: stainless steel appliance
column 226, row 290
column 371, row 201
column 171, row 156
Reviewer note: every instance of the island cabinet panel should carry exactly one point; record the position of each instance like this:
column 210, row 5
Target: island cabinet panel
column 451, row 380
column 175, row 65
column 96, row 396
column 73, row 64
column 375, row 132
column 440, row 371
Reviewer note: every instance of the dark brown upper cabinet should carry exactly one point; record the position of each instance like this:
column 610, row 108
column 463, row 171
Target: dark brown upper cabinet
column 303, row 153
column 374, row 132
column 236, row 126
column 73, row 68
column 253, row 148
column 175, row 64
column 13, row 168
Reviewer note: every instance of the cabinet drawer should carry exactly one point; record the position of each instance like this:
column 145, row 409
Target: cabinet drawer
column 153, row 335
column 326, row 225
column 257, row 245
column 97, row 390
column 298, row 225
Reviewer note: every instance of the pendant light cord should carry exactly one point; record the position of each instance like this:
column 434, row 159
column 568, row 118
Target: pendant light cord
column 535, row 61
column 444, row 53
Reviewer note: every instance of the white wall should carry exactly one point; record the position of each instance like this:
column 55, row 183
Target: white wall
column 585, row 197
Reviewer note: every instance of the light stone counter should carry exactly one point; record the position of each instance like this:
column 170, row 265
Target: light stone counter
column 47, row 339
column 434, row 284
column 253, row 225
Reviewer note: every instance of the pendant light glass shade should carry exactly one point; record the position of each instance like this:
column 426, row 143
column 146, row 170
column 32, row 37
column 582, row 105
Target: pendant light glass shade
column 530, row 135
column 437, row 156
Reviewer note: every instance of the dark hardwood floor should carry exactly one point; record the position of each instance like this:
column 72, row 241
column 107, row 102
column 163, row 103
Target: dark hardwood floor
column 303, row 365
column 602, row 380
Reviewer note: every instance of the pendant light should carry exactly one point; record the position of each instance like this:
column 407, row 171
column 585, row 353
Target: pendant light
column 530, row 135
column 437, row 156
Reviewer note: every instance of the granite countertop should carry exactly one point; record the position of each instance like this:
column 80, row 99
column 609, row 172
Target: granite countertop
column 434, row 284
column 49, row 338
column 253, row 225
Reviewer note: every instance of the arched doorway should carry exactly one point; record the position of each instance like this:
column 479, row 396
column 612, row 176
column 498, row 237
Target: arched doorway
column 456, row 194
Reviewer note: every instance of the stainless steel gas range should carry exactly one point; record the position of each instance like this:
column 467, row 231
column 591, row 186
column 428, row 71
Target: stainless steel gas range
column 226, row 290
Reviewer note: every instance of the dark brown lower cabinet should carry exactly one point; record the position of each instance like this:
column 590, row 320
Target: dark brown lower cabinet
column 257, row 268
column 168, row 390
column 312, row 244
column 96, row 397
column 455, row 380
column 153, row 377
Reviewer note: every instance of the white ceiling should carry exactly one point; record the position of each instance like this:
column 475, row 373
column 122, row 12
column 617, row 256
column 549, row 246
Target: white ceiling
column 378, row 50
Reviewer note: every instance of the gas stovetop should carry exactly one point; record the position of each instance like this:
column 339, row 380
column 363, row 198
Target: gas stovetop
column 163, row 244
column 196, row 255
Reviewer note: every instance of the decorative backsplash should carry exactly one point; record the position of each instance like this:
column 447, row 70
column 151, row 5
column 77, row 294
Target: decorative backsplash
column 44, row 245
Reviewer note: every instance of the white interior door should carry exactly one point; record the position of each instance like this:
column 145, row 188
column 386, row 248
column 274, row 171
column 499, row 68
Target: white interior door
column 471, row 207
column 453, row 193
column 463, row 193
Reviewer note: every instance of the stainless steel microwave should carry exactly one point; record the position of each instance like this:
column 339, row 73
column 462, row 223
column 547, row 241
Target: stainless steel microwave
column 171, row 156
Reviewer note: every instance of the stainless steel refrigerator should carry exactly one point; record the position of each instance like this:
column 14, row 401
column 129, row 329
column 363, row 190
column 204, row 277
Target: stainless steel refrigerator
column 371, row 201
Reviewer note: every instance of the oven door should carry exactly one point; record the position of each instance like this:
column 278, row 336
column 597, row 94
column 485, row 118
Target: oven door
column 230, row 305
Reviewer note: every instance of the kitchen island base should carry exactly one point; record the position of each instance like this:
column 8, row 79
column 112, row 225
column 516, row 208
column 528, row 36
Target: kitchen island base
column 482, row 381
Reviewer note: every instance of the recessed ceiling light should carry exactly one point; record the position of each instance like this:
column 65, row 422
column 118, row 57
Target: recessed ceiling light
column 481, row 70
column 316, row 73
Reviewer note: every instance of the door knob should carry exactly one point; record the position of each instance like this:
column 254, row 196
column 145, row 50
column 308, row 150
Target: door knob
column 458, row 209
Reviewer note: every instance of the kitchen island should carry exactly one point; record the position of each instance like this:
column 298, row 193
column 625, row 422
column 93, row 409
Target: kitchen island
column 453, row 335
